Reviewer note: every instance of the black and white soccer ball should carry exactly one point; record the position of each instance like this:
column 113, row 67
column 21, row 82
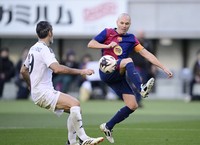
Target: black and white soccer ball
column 107, row 64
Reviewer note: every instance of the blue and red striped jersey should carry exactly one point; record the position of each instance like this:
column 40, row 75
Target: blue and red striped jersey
column 126, row 43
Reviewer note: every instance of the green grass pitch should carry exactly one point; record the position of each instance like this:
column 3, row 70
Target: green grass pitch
column 158, row 123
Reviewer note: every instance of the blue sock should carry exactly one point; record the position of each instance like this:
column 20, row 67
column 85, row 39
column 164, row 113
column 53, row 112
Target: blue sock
column 137, row 95
column 122, row 114
column 133, row 75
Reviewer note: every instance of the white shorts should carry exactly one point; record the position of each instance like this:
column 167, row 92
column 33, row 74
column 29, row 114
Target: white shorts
column 49, row 101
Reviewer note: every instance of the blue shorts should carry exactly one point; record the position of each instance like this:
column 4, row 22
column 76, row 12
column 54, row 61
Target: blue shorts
column 117, row 82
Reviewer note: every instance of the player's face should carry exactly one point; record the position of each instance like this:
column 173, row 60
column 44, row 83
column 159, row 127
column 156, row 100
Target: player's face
column 123, row 24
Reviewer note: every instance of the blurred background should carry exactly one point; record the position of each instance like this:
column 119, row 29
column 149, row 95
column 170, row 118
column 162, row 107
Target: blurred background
column 171, row 28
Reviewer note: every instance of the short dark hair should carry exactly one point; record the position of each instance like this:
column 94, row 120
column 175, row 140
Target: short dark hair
column 43, row 28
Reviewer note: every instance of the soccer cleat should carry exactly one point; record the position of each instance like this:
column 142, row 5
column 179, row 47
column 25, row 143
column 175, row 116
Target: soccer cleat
column 146, row 88
column 107, row 132
column 92, row 141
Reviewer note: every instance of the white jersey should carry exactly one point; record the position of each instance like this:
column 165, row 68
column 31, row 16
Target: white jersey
column 39, row 58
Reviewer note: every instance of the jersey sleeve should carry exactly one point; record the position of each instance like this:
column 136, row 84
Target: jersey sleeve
column 49, row 56
column 101, row 36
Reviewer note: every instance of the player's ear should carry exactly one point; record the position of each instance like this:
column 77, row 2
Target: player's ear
column 50, row 34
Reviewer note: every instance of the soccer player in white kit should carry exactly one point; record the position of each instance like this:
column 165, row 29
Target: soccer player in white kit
column 37, row 72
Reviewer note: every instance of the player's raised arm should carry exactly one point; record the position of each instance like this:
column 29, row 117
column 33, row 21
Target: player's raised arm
column 150, row 57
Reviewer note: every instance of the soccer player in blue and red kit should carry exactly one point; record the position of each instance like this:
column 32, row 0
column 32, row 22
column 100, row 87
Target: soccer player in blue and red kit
column 118, row 43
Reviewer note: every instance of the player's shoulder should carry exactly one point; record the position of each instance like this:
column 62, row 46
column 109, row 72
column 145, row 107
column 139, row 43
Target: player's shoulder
column 40, row 48
column 39, row 45
column 109, row 29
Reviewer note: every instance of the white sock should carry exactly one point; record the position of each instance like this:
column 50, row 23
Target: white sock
column 71, row 131
column 77, row 121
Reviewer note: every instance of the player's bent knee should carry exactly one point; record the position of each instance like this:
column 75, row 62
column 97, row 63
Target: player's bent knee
column 129, row 60
column 66, row 106
column 133, row 106
column 125, row 61
column 66, row 101
column 76, row 103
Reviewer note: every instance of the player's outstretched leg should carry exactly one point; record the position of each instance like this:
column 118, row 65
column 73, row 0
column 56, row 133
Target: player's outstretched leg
column 107, row 132
column 146, row 88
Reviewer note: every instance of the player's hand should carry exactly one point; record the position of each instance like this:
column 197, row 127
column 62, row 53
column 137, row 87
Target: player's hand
column 168, row 72
column 87, row 72
column 112, row 44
